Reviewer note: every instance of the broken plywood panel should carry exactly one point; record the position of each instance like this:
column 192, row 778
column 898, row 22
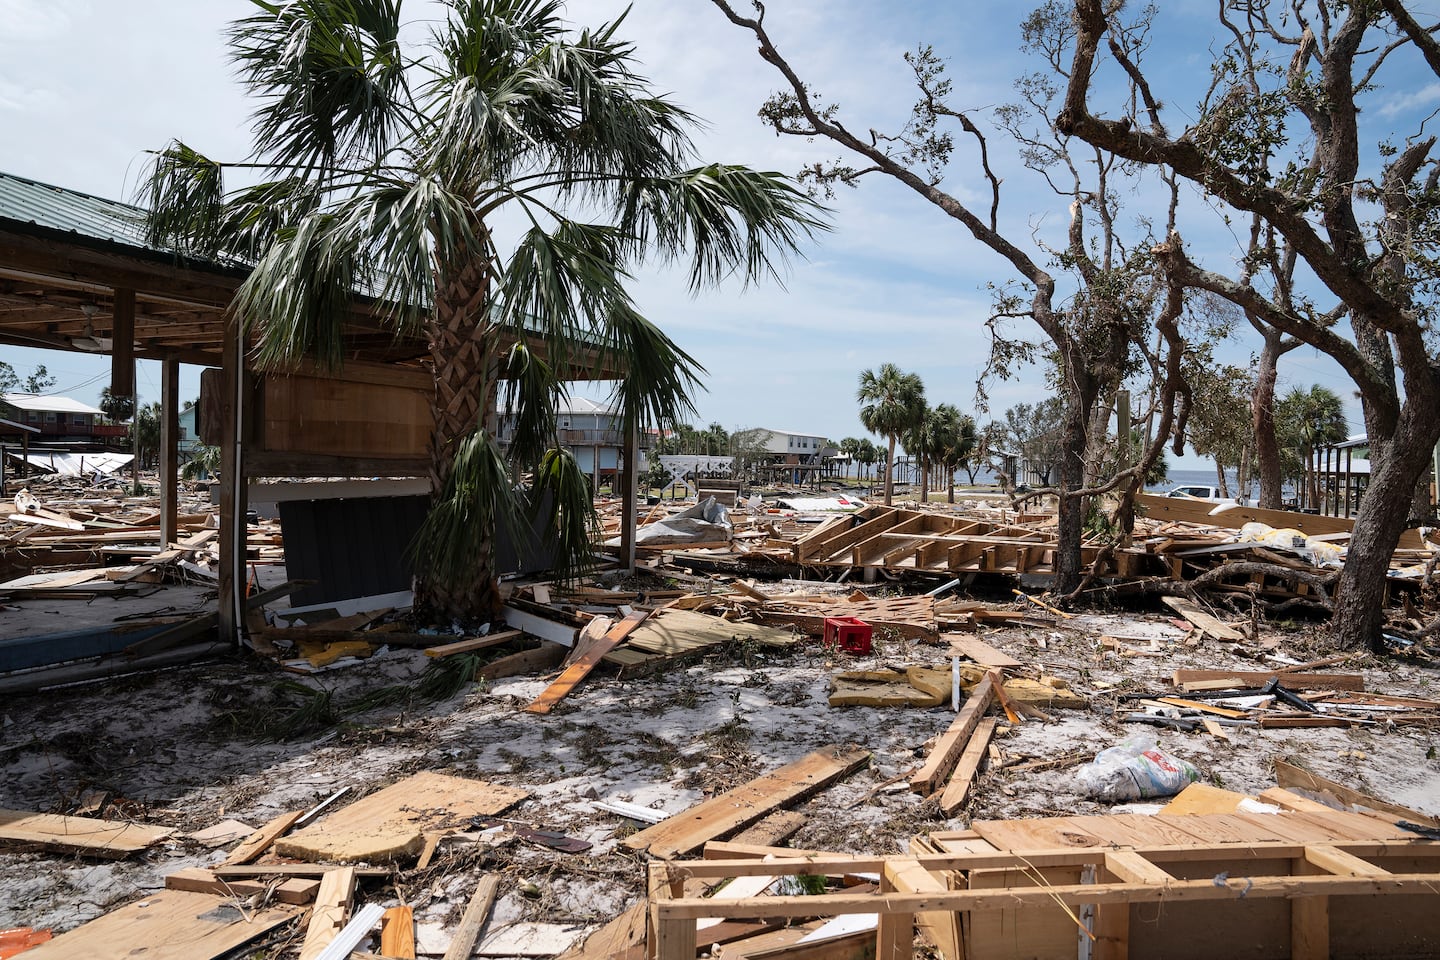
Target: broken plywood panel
column 747, row 803
column 84, row 835
column 391, row 823
column 676, row 634
column 168, row 925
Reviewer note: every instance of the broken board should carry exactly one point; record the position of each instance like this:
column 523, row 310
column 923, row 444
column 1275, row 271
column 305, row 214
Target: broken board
column 391, row 824
column 747, row 803
column 85, row 835
column 585, row 660
column 168, row 925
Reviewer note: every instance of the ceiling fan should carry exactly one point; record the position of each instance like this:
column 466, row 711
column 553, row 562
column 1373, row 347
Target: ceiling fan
column 87, row 341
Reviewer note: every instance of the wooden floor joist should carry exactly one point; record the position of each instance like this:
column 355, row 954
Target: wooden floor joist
column 1308, row 875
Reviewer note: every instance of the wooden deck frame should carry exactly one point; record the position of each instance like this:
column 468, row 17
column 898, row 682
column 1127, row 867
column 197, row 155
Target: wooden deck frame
column 1307, row 874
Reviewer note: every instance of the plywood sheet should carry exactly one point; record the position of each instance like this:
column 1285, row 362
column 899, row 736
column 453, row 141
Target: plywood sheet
column 87, row 835
column 168, row 925
column 747, row 803
column 390, row 824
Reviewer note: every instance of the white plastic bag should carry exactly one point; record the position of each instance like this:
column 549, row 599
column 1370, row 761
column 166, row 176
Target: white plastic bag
column 1136, row 769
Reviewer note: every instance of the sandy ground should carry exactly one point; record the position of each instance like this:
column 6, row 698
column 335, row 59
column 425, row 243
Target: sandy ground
column 177, row 748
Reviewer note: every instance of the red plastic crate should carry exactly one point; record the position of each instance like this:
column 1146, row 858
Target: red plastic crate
column 850, row 634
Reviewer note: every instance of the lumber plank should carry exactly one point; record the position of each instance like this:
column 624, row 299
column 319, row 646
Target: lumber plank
column 391, row 823
column 296, row 890
column 1258, row 678
column 327, row 917
column 262, row 839
column 1203, row 621
column 942, row 927
column 1131, row 867
column 84, row 835
column 397, row 933
column 952, row 742
column 544, row 657
column 1198, row 511
column 747, row 803
column 587, row 661
column 959, row 786
column 473, row 644
column 770, row 830
column 1289, row 775
column 969, row 645
column 167, row 925
column 477, row 911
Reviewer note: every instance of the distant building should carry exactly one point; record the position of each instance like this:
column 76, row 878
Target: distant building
column 591, row 431
column 793, row 457
column 189, row 435
column 59, row 419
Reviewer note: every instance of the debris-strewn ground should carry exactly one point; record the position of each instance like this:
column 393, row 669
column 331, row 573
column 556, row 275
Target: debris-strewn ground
column 177, row 748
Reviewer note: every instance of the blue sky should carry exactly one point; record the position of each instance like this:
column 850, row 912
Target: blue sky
column 86, row 86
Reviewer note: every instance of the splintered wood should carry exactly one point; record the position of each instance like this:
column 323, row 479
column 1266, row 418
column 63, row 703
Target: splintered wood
column 747, row 803
column 391, row 824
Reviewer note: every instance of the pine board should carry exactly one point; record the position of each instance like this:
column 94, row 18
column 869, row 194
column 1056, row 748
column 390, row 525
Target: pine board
column 747, row 803
column 951, row 743
column 585, row 660
column 1290, row 681
column 85, row 835
column 390, row 824
column 167, row 925
column 959, row 786
column 969, row 645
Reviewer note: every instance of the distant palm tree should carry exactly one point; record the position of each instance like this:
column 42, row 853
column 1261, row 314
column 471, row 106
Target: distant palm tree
column 850, row 447
column 954, row 434
column 867, row 455
column 1307, row 420
column 391, row 165
column 893, row 402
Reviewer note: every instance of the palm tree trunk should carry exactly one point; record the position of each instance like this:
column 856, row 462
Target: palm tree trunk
column 890, row 473
column 462, row 352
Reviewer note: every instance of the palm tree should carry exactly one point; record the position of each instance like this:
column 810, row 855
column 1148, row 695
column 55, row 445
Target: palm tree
column 391, row 166
column 867, row 455
column 850, row 447
column 1306, row 420
column 954, row 434
column 893, row 401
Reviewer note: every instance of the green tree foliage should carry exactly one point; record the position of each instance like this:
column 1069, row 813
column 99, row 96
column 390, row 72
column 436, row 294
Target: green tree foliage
column 115, row 407
column 39, row 380
column 1306, row 420
column 385, row 162
column 892, row 402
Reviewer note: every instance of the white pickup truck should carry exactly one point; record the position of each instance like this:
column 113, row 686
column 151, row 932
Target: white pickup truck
column 1200, row 492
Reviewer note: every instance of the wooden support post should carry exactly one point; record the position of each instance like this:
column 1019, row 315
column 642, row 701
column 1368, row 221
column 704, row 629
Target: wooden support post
column 895, row 932
column 462, row 945
column 232, row 486
column 169, row 450
column 668, row 938
column 628, row 480
column 1309, row 919
column 122, row 344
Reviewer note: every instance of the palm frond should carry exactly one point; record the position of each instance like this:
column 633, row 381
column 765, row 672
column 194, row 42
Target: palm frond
column 660, row 379
column 728, row 219
column 561, row 285
column 532, row 395
column 571, row 526
column 299, row 295
column 455, row 545
column 185, row 196
column 401, row 230
column 330, row 77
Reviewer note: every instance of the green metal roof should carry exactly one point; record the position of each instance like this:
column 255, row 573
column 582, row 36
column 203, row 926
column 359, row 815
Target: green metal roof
column 55, row 208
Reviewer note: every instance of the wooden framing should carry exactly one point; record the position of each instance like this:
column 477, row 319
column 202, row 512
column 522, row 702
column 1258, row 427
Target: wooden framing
column 896, row 539
column 1320, row 881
